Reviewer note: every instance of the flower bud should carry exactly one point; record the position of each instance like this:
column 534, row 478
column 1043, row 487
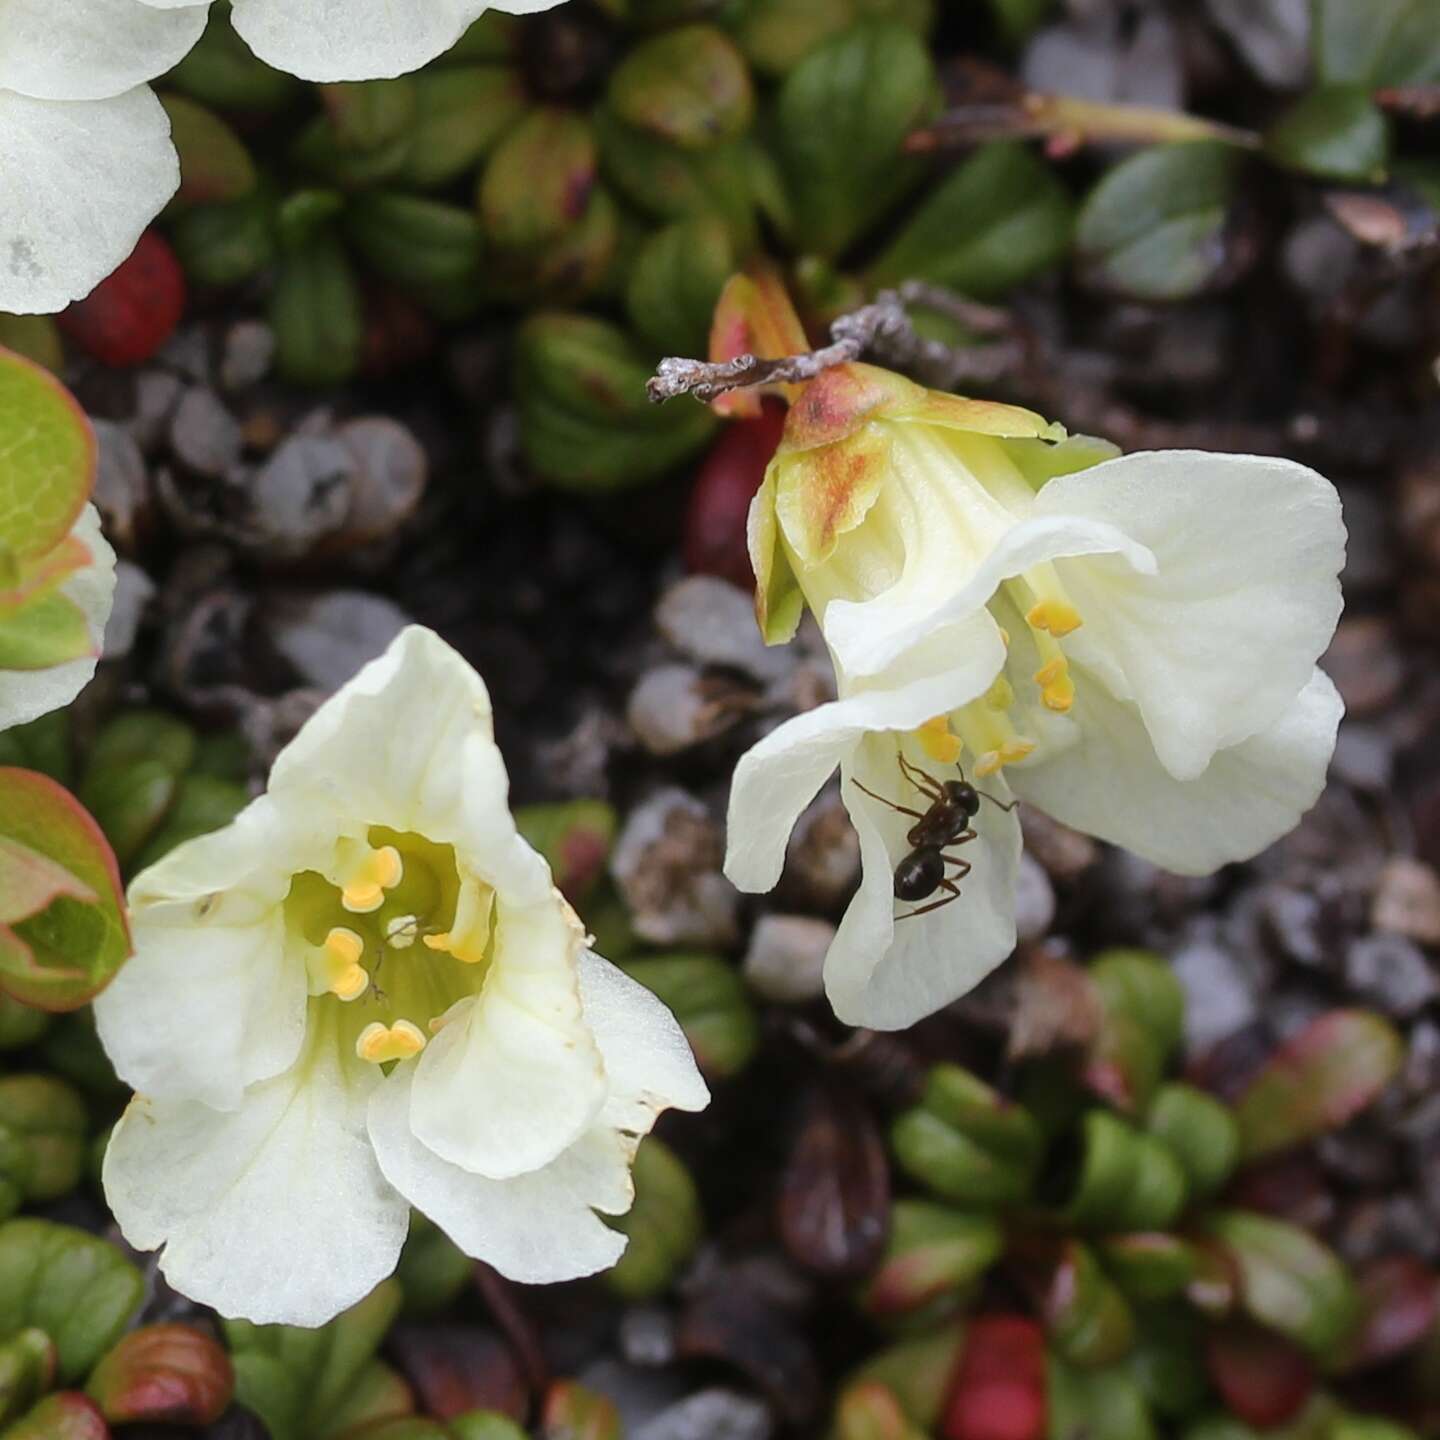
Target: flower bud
column 575, row 837
column 1112, row 1177
column 707, row 996
column 585, row 423
column 1087, row 1319
column 170, row 1374
column 573, row 1412
column 664, row 1225
column 27, row 1369
column 966, row 1142
column 688, row 86
column 42, row 1140
column 316, row 314
column 1200, row 1131
column 460, row 113
column 933, row 1259
column 1142, row 1015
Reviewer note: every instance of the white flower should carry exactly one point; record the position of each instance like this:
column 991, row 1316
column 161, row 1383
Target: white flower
column 27, row 694
column 375, row 906
column 1129, row 646
column 354, row 39
column 87, row 161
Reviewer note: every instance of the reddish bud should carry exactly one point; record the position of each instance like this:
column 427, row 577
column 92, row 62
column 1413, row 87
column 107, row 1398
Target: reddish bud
column 168, row 1373
column 999, row 1389
column 130, row 315
column 727, row 481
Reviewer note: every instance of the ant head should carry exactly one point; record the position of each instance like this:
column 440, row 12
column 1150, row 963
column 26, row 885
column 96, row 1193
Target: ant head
column 963, row 795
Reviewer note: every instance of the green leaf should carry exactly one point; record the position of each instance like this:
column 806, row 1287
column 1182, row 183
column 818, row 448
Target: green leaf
column 202, row 804
column 1142, row 1009
column 62, row 955
column 47, row 459
column 29, row 881
column 1154, row 227
column 1318, row 1081
column 433, row 1270
column 1377, row 42
column 215, row 166
column 664, row 1224
column 460, row 115
column 1096, row 1404
column 841, row 119
column 998, row 219
column 676, row 280
column 295, row 1379
column 42, row 633
column 1336, row 133
column 42, row 1137
column 66, row 1416
column 78, row 1289
column 689, row 86
column 317, row 314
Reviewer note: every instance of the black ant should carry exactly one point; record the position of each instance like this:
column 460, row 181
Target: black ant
column 946, row 823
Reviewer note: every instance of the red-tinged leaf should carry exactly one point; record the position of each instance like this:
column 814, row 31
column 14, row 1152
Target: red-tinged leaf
column 1261, row 1376
column 131, row 314
column 61, row 956
column 1399, row 1304
column 29, row 881
column 40, row 577
column 999, row 1391
column 455, row 1368
column 49, row 466
column 165, row 1373
column 573, row 1412
column 1326, row 1075
column 869, row 1410
column 66, row 1416
column 754, row 316
column 44, row 633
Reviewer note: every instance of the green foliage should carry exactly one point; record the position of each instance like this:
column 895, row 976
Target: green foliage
column 1335, row 133
column 664, row 1224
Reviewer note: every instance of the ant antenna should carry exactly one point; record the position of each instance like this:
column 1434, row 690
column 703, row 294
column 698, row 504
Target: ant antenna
column 996, row 803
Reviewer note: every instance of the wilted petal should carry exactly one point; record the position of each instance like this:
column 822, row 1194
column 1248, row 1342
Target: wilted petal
column 885, row 974
column 777, row 777
column 1218, row 642
column 1111, row 783
column 275, row 1212
column 25, row 695
column 533, row 1228
column 79, row 181
column 90, row 49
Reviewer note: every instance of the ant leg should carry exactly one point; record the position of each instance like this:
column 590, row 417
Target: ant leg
column 965, row 867
column 1006, row 808
column 930, row 788
column 954, row 894
column 884, row 801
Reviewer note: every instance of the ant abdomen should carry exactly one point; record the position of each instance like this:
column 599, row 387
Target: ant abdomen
column 919, row 874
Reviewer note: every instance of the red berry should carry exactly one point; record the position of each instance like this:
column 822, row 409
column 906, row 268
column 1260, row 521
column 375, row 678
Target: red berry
column 130, row 315
column 999, row 1388
column 729, row 477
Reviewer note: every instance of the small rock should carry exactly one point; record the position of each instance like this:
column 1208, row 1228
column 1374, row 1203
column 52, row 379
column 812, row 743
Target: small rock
column 248, row 353
column 667, row 864
column 676, row 706
column 157, row 392
column 1390, row 971
column 327, row 638
column 1364, row 757
column 133, row 592
column 1034, row 900
column 204, row 436
column 391, row 473
column 1219, row 996
column 714, row 1414
column 647, row 1335
column 1421, row 1075
column 302, row 493
column 1407, row 900
column 712, row 622
column 786, row 958
column 1360, row 1157
column 122, row 483
column 822, row 863
column 1295, row 921
column 1365, row 662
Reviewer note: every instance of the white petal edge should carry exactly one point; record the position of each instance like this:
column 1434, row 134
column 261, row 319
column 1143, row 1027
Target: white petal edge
column 79, row 181
column 25, row 695
column 1112, row 785
column 276, row 1212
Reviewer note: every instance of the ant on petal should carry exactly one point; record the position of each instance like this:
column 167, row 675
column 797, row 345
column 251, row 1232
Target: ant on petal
column 944, row 824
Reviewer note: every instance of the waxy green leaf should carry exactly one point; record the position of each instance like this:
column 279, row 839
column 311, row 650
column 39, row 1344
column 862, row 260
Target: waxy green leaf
column 1377, row 42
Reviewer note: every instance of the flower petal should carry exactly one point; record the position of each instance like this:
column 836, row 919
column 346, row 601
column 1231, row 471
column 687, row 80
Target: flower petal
column 27, row 694
column 648, row 1064
column 779, row 775
column 868, row 636
column 886, row 974
column 275, row 1212
column 514, row 1077
column 533, row 1228
column 78, row 183
column 90, row 49
column 209, row 1003
column 352, row 39
column 1112, row 784
column 1218, row 642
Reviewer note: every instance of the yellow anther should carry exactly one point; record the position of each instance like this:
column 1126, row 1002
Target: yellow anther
column 1059, row 617
column 401, row 930
column 366, row 875
column 937, row 741
column 1006, row 754
column 988, row 763
column 1057, row 689
column 335, row 967
column 1001, row 695
column 379, row 1043
column 469, row 933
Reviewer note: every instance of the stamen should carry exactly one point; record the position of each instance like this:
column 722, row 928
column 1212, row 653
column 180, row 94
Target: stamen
column 335, row 967
column 1059, row 617
column 1057, row 689
column 469, row 935
column 991, row 737
column 379, row 1043
column 1007, row 754
column 1000, row 696
column 364, row 875
column 937, row 741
